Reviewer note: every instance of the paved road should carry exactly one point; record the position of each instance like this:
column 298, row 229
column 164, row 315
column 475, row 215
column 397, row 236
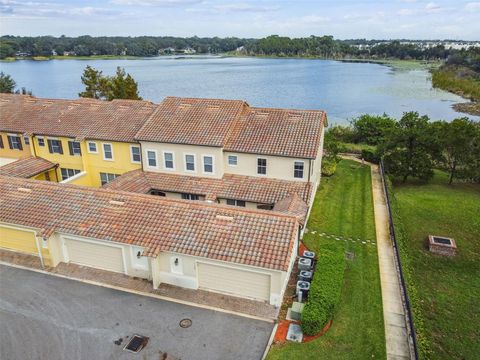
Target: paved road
column 45, row 317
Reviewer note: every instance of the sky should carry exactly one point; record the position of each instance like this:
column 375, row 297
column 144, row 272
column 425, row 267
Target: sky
column 344, row 19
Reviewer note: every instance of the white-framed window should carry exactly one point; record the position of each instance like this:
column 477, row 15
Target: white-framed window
column 92, row 147
column 186, row 196
column 136, row 157
column 105, row 178
column 298, row 169
column 26, row 139
column 74, row 148
column 68, row 173
column 14, row 142
column 261, row 166
column 41, row 141
column 234, row 202
column 207, row 164
column 107, row 151
column 168, row 163
column 232, row 160
column 55, row 146
column 152, row 158
column 190, row 162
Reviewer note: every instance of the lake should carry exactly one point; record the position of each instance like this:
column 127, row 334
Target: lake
column 345, row 90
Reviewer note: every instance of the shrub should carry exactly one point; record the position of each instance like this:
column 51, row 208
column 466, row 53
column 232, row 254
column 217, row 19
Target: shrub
column 370, row 156
column 325, row 290
column 329, row 166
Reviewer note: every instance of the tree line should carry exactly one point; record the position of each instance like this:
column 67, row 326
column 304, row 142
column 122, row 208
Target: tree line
column 413, row 146
column 274, row 45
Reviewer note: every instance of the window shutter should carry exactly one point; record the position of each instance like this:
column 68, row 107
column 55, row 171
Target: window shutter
column 50, row 149
column 20, row 146
column 60, row 146
column 10, row 144
column 70, row 147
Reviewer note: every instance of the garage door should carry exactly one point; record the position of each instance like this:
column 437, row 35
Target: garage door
column 95, row 255
column 234, row 281
column 18, row 240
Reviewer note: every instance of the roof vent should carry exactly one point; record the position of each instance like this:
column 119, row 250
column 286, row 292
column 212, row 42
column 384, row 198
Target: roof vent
column 116, row 202
column 24, row 190
column 225, row 218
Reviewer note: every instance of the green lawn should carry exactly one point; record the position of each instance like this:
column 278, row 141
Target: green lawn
column 448, row 289
column 343, row 206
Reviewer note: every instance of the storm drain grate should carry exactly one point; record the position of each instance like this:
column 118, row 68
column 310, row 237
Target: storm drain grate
column 185, row 323
column 136, row 343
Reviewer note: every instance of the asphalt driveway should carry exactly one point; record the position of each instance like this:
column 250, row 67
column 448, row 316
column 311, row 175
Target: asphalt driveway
column 45, row 317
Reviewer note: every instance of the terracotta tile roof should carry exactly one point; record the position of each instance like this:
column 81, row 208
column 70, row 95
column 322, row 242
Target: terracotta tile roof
column 247, row 188
column 293, row 205
column 251, row 237
column 27, row 167
column 283, row 132
column 117, row 120
column 192, row 121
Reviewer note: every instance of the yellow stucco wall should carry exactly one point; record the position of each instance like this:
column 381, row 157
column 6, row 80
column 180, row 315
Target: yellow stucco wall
column 22, row 240
column 14, row 153
column 51, row 176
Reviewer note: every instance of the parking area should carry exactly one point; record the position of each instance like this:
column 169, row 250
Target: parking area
column 45, row 317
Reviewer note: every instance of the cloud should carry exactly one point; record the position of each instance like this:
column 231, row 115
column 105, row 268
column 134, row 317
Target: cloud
column 433, row 7
column 165, row 3
column 244, row 7
column 32, row 10
column 472, row 6
column 406, row 12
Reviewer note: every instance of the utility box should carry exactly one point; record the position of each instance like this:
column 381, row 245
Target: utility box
column 296, row 310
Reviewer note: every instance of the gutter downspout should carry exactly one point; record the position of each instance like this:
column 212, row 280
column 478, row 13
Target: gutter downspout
column 309, row 168
column 39, row 251
column 33, row 146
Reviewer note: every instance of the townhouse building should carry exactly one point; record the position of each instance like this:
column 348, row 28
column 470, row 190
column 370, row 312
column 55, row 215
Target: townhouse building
column 200, row 193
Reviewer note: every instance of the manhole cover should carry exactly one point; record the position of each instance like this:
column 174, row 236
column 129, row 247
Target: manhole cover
column 349, row 255
column 136, row 343
column 185, row 323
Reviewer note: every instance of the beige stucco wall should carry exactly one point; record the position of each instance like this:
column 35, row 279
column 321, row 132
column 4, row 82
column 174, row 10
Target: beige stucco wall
column 278, row 167
column 179, row 151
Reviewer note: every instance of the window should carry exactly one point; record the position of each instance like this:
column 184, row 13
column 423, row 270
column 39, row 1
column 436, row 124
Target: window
column 236, row 202
column 168, row 160
column 261, row 166
column 92, row 147
column 1, row 141
column 14, row 142
column 189, row 162
column 107, row 152
column 74, row 148
column 189, row 196
column 152, row 158
column 136, row 158
column 68, row 173
column 157, row 192
column 265, row 206
column 41, row 141
column 298, row 169
column 232, row 160
column 208, row 164
column 105, row 178
column 55, row 146
column 27, row 140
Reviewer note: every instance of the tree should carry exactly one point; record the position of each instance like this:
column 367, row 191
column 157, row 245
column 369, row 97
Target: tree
column 460, row 141
column 7, row 84
column 408, row 148
column 372, row 129
column 119, row 86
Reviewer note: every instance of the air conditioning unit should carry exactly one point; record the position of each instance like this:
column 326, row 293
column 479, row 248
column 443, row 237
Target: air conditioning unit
column 309, row 255
column 302, row 290
column 304, row 264
column 305, row 275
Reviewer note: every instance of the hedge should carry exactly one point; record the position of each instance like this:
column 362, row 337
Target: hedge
column 329, row 166
column 325, row 290
column 370, row 156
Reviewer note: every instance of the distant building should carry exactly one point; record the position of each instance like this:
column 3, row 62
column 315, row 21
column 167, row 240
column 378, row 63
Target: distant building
column 189, row 50
column 69, row 53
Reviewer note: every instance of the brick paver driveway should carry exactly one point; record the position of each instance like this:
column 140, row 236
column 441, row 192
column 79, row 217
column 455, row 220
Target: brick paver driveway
column 44, row 317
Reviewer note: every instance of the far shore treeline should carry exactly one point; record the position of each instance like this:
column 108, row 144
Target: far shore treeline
column 274, row 45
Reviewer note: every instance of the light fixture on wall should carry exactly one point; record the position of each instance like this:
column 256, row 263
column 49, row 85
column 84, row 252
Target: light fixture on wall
column 139, row 254
column 176, row 262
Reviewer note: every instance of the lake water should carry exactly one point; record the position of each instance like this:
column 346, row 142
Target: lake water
column 344, row 90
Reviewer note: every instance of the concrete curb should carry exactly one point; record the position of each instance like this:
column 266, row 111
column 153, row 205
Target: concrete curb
column 270, row 341
column 160, row 297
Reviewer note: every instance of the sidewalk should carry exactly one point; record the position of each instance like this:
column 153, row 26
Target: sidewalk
column 198, row 298
column 396, row 334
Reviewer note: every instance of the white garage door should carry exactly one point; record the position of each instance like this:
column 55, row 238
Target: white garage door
column 234, row 281
column 95, row 255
